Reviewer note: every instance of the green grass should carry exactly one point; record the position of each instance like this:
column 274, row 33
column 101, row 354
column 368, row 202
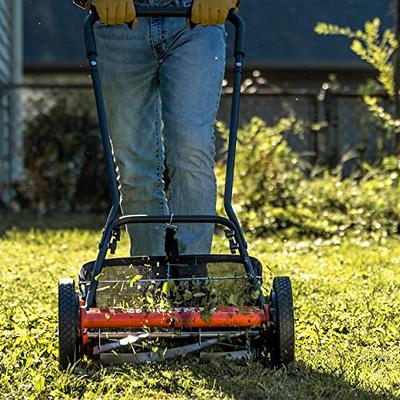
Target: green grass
column 347, row 308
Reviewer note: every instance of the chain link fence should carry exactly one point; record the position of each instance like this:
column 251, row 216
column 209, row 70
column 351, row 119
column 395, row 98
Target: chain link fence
column 339, row 128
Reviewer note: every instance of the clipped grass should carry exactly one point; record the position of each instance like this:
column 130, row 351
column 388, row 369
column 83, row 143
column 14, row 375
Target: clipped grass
column 347, row 303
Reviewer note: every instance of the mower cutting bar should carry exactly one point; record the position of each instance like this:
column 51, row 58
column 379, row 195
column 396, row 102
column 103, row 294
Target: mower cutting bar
column 142, row 358
column 172, row 335
column 223, row 317
column 139, row 358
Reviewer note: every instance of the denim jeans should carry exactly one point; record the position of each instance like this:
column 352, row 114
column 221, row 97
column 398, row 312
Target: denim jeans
column 162, row 86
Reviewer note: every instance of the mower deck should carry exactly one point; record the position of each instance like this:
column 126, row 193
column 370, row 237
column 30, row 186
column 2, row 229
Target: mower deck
column 141, row 304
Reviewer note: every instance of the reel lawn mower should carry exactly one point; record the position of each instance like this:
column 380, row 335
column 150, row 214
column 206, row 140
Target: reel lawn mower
column 146, row 309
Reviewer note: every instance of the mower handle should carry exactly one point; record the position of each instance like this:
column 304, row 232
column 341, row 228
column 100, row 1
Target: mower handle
column 111, row 228
column 144, row 11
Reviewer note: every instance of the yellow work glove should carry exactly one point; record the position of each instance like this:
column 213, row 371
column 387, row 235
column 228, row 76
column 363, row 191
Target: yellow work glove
column 211, row 12
column 115, row 12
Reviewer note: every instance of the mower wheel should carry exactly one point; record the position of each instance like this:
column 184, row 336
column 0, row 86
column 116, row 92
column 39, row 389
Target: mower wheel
column 68, row 323
column 281, row 336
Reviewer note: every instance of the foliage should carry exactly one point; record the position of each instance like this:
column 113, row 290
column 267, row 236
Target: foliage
column 347, row 326
column 272, row 193
column 63, row 157
column 377, row 49
column 372, row 47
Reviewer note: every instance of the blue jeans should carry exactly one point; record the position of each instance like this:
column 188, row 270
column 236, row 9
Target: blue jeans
column 162, row 86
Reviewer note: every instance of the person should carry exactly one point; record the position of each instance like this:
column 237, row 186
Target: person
column 162, row 84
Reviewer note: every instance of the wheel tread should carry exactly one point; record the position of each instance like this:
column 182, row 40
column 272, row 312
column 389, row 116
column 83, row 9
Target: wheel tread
column 283, row 351
column 68, row 306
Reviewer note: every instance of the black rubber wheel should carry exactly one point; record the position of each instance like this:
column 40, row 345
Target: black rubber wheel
column 281, row 336
column 68, row 323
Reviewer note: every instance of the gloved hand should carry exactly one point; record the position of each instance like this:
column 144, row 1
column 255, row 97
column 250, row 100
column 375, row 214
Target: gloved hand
column 115, row 12
column 211, row 12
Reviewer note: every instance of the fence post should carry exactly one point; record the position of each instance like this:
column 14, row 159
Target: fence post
column 315, row 117
column 329, row 114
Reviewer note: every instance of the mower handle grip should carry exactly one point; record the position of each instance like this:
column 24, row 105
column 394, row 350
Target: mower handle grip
column 144, row 11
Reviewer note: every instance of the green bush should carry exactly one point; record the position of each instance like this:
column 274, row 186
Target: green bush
column 272, row 193
column 63, row 156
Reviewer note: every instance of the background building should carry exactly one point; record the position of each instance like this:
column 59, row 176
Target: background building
column 281, row 42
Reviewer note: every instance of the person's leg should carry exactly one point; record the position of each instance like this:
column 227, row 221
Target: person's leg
column 129, row 74
column 191, row 77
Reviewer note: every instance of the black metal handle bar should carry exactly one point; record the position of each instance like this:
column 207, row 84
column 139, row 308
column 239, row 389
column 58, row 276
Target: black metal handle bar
column 185, row 219
column 184, row 12
column 148, row 11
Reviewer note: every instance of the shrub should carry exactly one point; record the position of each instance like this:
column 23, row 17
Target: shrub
column 272, row 193
column 63, row 155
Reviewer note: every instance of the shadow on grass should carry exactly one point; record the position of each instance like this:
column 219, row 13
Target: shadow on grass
column 26, row 220
column 299, row 382
column 190, row 378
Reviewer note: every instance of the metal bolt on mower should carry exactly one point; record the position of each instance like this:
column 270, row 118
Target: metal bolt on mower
column 147, row 309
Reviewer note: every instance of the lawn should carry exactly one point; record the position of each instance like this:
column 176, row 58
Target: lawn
column 347, row 309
